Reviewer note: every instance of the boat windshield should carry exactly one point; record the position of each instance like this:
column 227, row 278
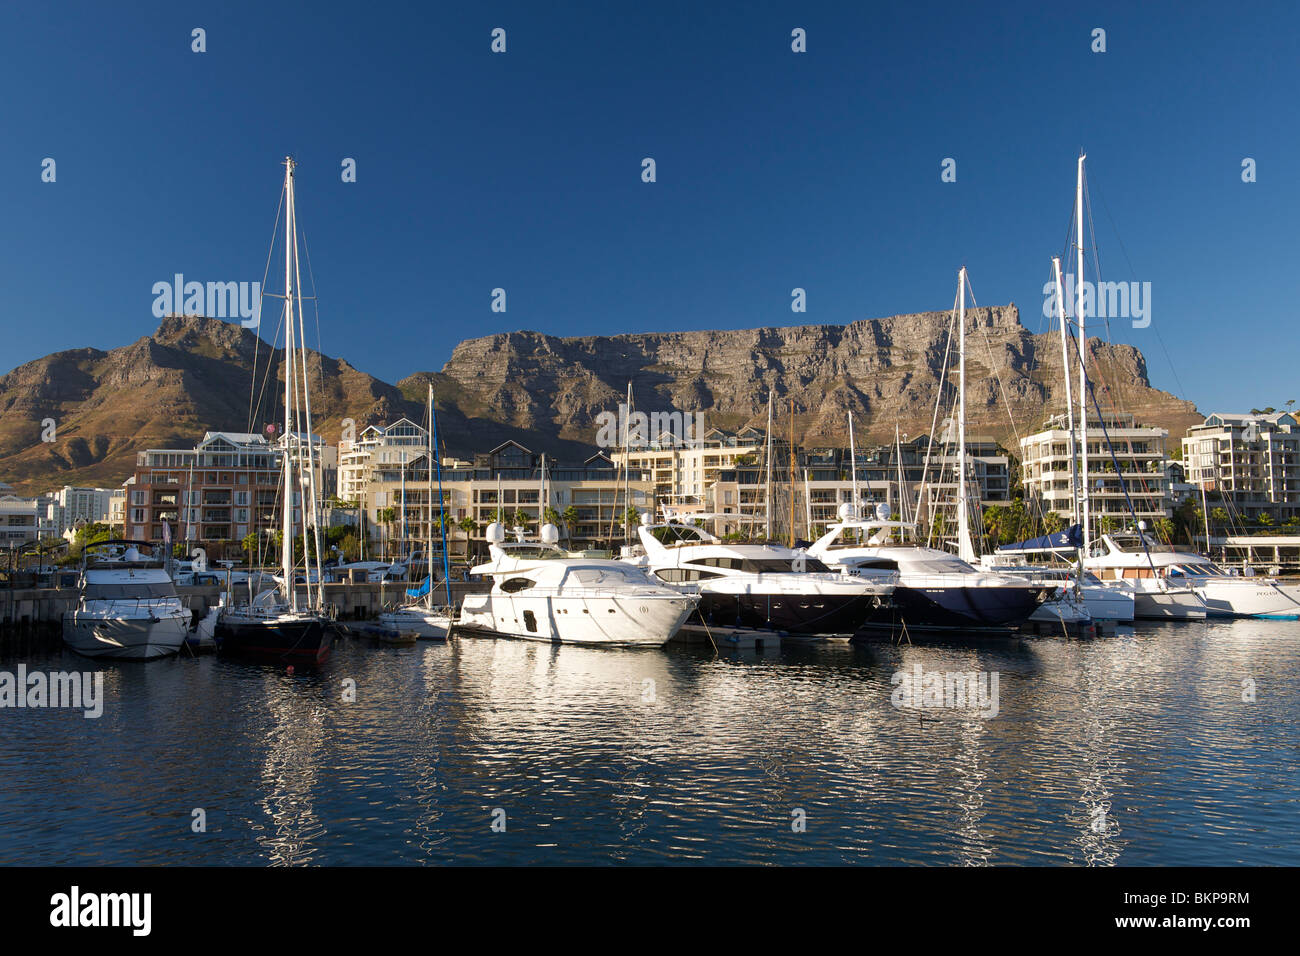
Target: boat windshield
column 1132, row 544
column 1201, row 569
column 607, row 577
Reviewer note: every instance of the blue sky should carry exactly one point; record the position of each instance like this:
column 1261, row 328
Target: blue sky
column 775, row 170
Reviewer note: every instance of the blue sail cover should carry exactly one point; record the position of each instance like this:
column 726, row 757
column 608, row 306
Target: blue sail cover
column 1071, row 537
column 422, row 590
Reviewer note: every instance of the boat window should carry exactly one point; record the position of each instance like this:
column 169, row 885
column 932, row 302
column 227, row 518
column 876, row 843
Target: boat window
column 676, row 575
column 605, row 577
column 128, row 592
column 876, row 564
column 514, row 585
column 778, row 566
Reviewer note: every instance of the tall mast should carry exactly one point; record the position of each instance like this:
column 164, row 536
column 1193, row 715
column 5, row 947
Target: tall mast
column 1085, row 495
column 286, row 509
column 767, row 455
column 964, row 549
column 428, row 551
column 853, row 465
column 793, row 495
column 1069, row 397
column 627, row 460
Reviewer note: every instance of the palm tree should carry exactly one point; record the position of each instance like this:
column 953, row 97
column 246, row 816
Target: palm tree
column 631, row 518
column 570, row 518
column 550, row 515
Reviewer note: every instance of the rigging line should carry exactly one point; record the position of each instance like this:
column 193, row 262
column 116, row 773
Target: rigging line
column 1174, row 369
column 934, row 421
column 257, row 334
column 311, row 276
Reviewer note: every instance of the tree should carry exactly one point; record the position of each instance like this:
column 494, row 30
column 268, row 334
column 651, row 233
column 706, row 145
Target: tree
column 467, row 525
column 550, row 515
column 520, row 518
column 570, row 517
column 631, row 518
column 1164, row 529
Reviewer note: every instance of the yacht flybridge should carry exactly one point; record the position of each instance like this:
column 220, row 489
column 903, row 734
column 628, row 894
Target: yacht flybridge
column 1169, row 582
column 127, row 607
column 936, row 590
column 539, row 593
column 760, row 585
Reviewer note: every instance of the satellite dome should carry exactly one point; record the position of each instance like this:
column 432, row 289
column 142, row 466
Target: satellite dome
column 495, row 533
column 549, row 534
column 882, row 511
column 1142, row 525
column 846, row 512
column 647, row 518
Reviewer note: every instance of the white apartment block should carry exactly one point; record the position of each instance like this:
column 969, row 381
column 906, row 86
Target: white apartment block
column 1250, row 461
column 1143, row 470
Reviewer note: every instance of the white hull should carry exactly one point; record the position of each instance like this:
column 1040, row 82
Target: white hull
column 1244, row 597
column 1171, row 605
column 631, row 621
column 122, row 638
column 425, row 624
column 1109, row 603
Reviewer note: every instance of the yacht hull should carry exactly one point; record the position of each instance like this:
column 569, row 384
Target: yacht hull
column 123, row 639
column 305, row 640
column 1185, row 605
column 811, row 614
column 425, row 625
column 1240, row 597
column 965, row 607
column 633, row 621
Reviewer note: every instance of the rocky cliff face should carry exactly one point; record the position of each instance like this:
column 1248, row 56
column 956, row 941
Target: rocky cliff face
column 195, row 374
column 886, row 371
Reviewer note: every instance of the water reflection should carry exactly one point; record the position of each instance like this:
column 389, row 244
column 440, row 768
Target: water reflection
column 1131, row 749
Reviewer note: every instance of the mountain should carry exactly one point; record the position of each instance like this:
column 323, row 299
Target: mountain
column 196, row 374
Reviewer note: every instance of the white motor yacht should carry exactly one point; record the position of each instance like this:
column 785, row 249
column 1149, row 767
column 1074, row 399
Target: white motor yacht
column 127, row 608
column 540, row 594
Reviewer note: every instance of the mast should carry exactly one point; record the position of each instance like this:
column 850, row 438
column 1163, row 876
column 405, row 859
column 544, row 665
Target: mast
column 767, row 454
column 902, row 492
column 1069, row 397
column 627, row 460
column 1086, row 495
column 428, row 550
column 446, row 563
column 965, row 550
column 793, row 495
column 853, row 464
column 286, row 504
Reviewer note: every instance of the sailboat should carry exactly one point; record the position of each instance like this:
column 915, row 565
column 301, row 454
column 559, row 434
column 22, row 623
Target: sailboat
column 421, row 617
column 276, row 625
column 936, row 590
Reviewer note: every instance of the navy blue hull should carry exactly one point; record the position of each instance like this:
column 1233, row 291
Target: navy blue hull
column 794, row 614
column 294, row 642
column 952, row 608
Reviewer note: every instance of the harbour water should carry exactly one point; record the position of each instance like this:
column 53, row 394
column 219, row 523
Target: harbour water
column 1132, row 749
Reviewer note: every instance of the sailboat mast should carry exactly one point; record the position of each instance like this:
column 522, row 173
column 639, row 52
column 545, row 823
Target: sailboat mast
column 1069, row 397
column 286, row 504
column 428, row 551
column 446, row 561
column 963, row 519
column 793, row 495
column 1085, row 495
column 767, row 455
column 853, row 465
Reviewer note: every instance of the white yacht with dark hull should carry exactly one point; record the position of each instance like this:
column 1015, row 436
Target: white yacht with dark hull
column 540, row 594
column 759, row 585
column 1182, row 584
column 127, row 609
column 935, row 590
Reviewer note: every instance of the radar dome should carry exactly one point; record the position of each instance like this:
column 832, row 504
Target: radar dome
column 846, row 512
column 495, row 533
column 549, row 534
column 882, row 511
column 647, row 518
column 1142, row 525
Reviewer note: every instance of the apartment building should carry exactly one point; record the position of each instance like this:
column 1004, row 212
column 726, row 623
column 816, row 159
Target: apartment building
column 683, row 472
column 509, row 478
column 1251, row 462
column 21, row 520
column 1126, row 462
column 70, row 507
column 220, row 491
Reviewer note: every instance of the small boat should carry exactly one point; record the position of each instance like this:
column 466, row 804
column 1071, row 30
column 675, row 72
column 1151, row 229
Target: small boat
column 127, row 608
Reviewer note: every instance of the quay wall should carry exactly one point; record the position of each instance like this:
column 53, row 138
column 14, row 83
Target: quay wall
column 36, row 607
